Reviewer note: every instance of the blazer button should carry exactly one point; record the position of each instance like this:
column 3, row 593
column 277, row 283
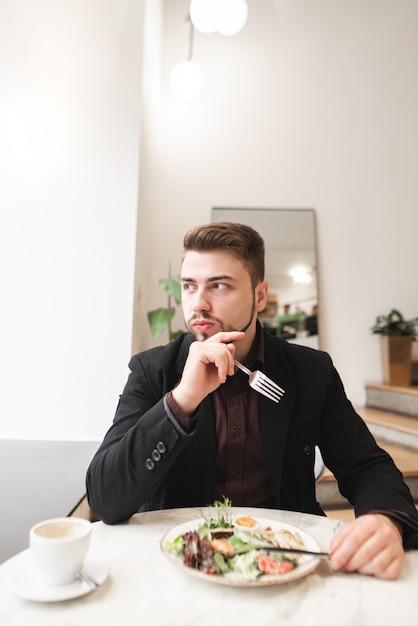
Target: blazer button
column 149, row 464
column 307, row 450
column 161, row 447
column 156, row 455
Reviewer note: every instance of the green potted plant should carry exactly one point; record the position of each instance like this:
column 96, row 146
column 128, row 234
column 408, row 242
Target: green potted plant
column 397, row 335
column 160, row 318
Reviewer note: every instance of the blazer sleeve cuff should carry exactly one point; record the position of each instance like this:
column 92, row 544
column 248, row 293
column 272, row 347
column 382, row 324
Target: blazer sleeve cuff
column 185, row 424
column 409, row 526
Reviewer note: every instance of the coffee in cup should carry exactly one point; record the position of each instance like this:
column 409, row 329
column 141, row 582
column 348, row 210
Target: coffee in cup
column 59, row 547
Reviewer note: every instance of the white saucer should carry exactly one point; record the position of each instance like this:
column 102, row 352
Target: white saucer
column 26, row 583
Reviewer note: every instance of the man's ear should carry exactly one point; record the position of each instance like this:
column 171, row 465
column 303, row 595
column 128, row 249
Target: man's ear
column 261, row 292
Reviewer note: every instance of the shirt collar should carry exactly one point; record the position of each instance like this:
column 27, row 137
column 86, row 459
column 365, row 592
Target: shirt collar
column 255, row 357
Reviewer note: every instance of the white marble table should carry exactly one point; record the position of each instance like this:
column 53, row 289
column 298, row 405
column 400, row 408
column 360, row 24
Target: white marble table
column 145, row 588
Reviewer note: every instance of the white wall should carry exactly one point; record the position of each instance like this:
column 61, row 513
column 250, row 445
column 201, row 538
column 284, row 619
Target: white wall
column 69, row 167
column 313, row 104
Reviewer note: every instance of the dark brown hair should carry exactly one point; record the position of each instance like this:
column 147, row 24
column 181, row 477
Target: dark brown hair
column 240, row 240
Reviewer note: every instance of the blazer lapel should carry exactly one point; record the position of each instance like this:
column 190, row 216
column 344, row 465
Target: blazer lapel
column 275, row 417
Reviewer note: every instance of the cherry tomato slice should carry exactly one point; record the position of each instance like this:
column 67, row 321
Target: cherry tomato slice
column 270, row 566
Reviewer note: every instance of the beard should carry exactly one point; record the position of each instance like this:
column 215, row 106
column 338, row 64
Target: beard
column 222, row 327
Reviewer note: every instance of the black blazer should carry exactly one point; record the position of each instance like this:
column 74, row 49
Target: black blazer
column 147, row 462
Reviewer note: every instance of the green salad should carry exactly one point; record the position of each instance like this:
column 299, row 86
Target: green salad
column 222, row 546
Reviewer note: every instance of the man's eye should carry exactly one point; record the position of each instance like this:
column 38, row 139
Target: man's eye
column 187, row 287
column 218, row 286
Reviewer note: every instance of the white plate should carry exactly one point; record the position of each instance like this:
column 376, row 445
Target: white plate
column 26, row 583
column 305, row 565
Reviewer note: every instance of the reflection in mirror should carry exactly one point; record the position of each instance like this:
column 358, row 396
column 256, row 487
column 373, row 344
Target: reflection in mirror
column 291, row 269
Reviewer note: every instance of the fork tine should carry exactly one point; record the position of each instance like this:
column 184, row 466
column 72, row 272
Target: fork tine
column 271, row 384
column 265, row 381
column 262, row 386
column 262, row 383
column 266, row 392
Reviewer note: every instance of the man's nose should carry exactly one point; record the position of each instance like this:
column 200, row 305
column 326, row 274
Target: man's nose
column 200, row 302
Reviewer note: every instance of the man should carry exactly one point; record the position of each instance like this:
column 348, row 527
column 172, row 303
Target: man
column 189, row 429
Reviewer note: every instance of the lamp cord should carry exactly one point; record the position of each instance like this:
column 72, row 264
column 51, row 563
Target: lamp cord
column 191, row 37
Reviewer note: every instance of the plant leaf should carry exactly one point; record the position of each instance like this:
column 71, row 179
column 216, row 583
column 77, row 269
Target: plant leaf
column 159, row 319
column 394, row 324
column 172, row 286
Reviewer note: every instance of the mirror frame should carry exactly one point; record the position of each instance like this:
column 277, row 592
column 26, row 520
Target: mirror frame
column 290, row 237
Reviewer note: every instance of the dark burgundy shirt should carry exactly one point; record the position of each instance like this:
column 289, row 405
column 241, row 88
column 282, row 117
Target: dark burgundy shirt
column 240, row 472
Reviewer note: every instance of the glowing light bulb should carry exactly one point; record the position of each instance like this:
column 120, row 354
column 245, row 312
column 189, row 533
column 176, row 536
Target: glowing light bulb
column 233, row 17
column 204, row 15
column 227, row 17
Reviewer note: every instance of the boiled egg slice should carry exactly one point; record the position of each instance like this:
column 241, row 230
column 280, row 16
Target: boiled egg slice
column 246, row 522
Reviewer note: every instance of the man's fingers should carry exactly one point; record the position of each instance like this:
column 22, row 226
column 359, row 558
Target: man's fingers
column 372, row 544
column 226, row 337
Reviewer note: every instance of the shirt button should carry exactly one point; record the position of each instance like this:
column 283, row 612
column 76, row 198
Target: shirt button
column 156, row 455
column 234, row 471
column 149, row 464
column 307, row 450
column 235, row 432
column 161, row 447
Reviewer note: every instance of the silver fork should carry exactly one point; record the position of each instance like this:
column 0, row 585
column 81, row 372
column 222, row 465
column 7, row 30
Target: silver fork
column 243, row 550
column 262, row 383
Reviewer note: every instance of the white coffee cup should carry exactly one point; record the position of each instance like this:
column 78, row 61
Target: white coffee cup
column 59, row 547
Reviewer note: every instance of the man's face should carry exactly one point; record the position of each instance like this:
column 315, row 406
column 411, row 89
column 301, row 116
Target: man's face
column 217, row 294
